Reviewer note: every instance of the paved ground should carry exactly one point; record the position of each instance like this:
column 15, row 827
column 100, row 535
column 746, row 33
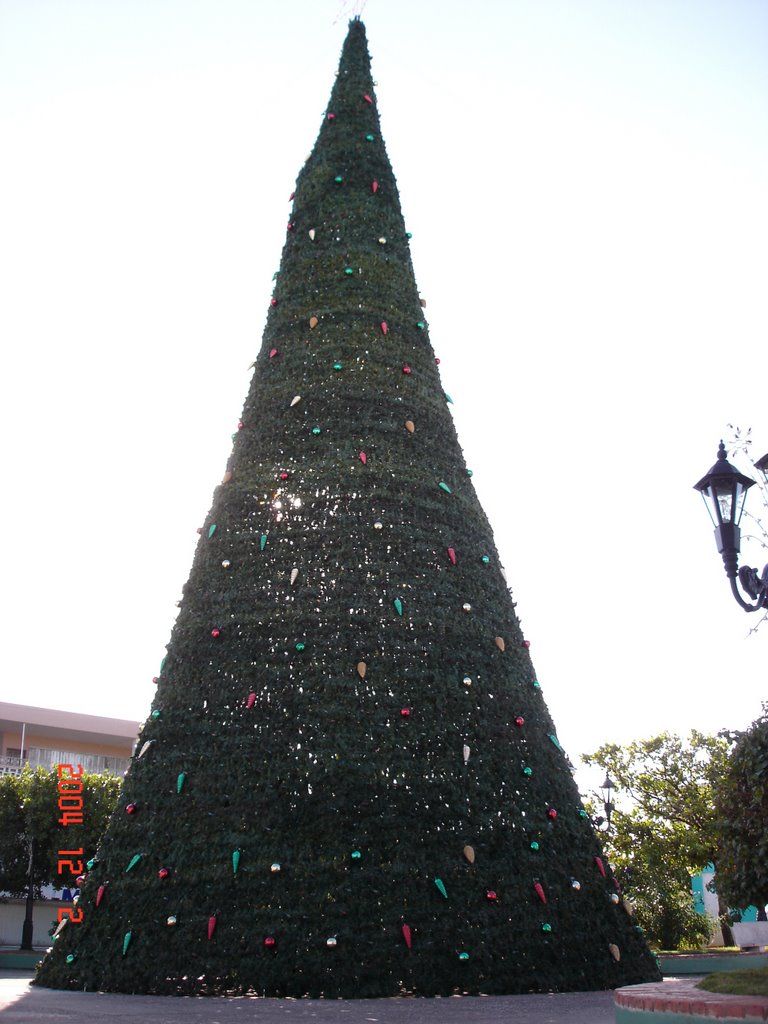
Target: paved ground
column 21, row 1003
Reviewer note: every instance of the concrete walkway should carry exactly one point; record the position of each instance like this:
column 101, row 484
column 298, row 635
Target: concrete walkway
column 21, row 1003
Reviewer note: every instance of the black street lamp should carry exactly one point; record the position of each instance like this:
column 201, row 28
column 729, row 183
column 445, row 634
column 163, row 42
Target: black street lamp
column 606, row 791
column 724, row 490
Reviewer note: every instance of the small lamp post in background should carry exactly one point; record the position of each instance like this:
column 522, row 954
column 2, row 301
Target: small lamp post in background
column 724, row 490
column 606, row 792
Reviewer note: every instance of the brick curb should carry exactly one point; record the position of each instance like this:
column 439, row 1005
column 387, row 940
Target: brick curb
column 680, row 995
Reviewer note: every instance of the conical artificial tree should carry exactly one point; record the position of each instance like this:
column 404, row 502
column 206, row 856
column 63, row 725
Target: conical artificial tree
column 349, row 783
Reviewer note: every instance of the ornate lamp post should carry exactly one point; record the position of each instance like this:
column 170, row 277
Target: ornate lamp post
column 724, row 490
column 606, row 791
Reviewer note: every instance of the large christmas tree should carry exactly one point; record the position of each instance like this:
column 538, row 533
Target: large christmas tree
column 349, row 783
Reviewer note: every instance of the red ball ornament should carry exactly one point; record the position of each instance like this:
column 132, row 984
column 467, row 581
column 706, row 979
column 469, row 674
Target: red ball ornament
column 200, row 529
column 270, row 941
column 490, row 895
column 163, row 873
column 437, row 360
column 552, row 813
column 519, row 721
column 406, row 370
column 130, row 808
column 526, row 643
column 405, row 712
column 273, row 301
column 155, row 680
column 331, row 117
column 284, row 475
column 215, row 632
column 290, row 226
column 272, row 353
column 240, row 424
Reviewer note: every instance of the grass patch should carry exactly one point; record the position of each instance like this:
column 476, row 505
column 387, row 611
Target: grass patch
column 738, row 983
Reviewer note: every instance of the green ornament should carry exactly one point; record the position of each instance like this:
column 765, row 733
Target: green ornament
column 348, row 270
column 338, row 366
column 398, row 605
column 316, row 431
column 162, row 663
column 235, row 861
column 134, row 861
column 126, row 942
column 421, row 325
column 299, row 646
column 583, row 813
column 534, row 845
column 156, row 713
column 546, row 927
column 441, row 887
column 470, row 473
column 485, row 559
column 444, row 487
column 211, row 529
column 463, row 956
column 356, row 855
column 555, row 740
column 528, row 771
column 71, row 958
column 536, row 684
column 338, row 179
column 448, row 398
column 369, row 137
column 180, row 781
column 91, row 863
column 408, row 234
column 263, row 541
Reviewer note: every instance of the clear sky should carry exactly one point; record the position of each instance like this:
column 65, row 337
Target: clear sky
column 586, row 187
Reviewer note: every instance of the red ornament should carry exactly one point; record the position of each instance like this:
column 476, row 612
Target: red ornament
column 452, row 556
column 437, row 360
column 240, row 424
column 384, row 327
column 519, row 721
column 552, row 813
column 100, row 894
column 374, row 186
column 270, row 941
column 490, row 895
column 283, row 475
column 600, row 865
column 273, row 301
column 130, row 808
column 290, row 225
column 163, row 873
column 406, row 370
column 331, row 117
column 199, row 529
column 290, row 197
column 272, row 353
column 405, row 712
column 526, row 643
column 540, row 891
column 79, row 880
column 211, row 926
column 155, row 680
column 406, row 929
column 251, row 700
column 367, row 98
column 363, row 458
column 215, row 632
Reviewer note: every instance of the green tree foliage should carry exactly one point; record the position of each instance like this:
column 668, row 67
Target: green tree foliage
column 350, row 783
column 668, row 830
column 741, row 802
column 30, row 813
